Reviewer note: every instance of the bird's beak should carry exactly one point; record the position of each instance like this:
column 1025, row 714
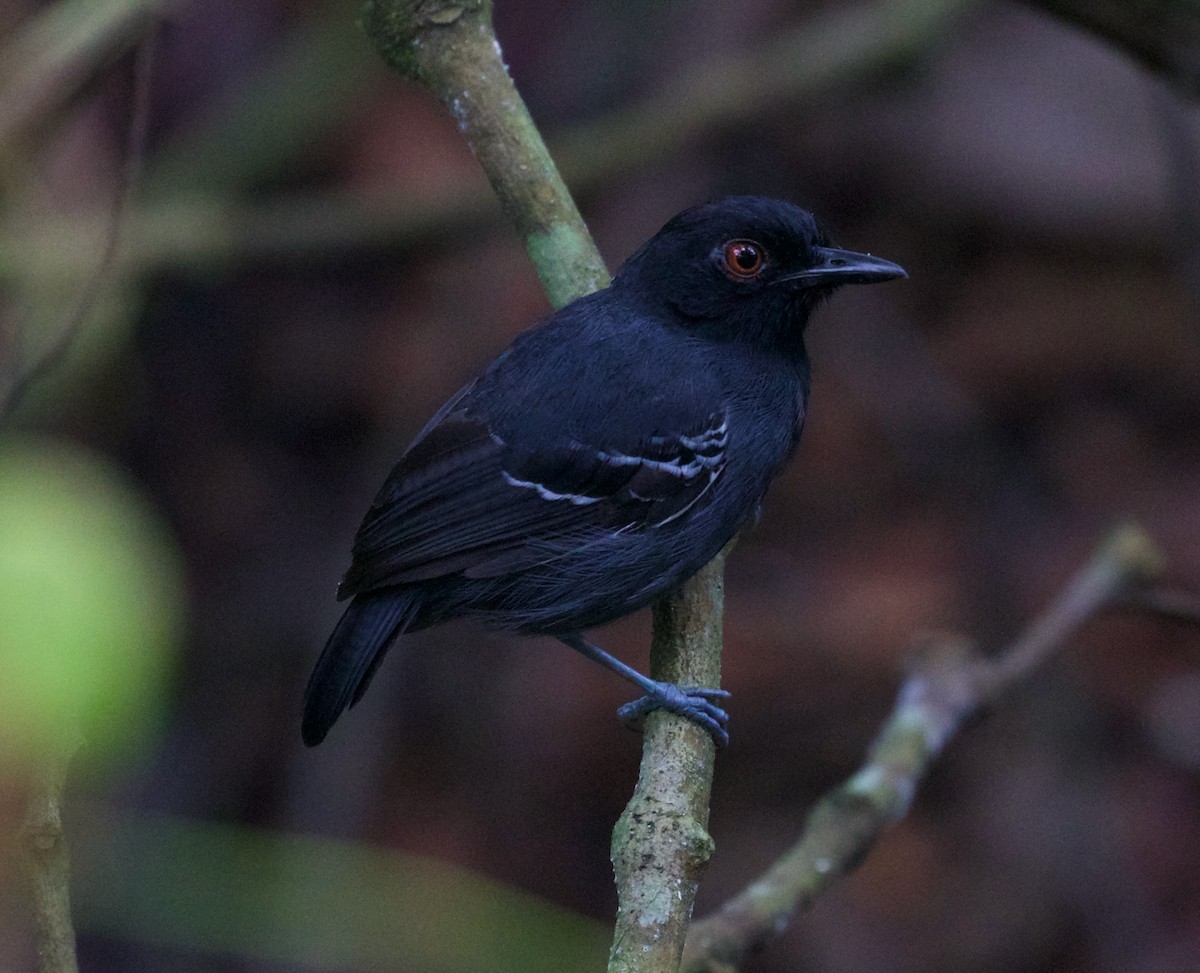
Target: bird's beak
column 835, row 266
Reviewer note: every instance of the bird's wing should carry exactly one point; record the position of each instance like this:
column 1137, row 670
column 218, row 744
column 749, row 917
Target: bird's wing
column 464, row 500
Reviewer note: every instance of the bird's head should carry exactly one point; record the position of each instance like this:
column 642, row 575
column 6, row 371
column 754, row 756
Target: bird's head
column 745, row 268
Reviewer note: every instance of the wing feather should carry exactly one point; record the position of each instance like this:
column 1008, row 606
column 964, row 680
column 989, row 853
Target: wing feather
column 462, row 500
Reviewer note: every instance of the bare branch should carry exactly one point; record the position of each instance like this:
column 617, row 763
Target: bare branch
column 57, row 51
column 1124, row 562
column 47, row 863
column 134, row 150
column 1175, row 606
column 948, row 682
column 661, row 844
column 449, row 47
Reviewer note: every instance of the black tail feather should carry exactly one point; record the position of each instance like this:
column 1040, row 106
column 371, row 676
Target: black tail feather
column 358, row 644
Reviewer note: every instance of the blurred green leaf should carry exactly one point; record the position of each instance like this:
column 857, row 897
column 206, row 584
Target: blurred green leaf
column 92, row 601
column 314, row 901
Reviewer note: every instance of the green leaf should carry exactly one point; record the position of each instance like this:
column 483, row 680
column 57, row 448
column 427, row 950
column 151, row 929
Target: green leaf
column 91, row 601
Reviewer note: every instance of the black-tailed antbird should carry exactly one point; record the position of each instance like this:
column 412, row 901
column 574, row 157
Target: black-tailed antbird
column 604, row 457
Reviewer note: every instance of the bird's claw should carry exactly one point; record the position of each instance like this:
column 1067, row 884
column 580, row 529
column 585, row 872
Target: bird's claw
column 695, row 703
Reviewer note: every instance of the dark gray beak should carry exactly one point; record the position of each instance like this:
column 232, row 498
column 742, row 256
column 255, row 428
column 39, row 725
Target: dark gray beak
column 835, row 266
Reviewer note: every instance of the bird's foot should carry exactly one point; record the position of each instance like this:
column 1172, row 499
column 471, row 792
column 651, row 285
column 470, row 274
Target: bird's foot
column 691, row 702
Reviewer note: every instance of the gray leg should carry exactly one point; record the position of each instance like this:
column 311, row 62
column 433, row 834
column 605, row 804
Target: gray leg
column 693, row 703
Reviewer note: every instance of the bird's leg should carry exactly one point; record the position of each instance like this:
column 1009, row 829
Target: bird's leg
column 692, row 702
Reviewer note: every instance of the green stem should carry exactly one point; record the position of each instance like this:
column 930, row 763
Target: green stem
column 450, row 48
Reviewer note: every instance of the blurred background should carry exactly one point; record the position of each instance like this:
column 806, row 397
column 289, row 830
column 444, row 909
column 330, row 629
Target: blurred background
column 310, row 262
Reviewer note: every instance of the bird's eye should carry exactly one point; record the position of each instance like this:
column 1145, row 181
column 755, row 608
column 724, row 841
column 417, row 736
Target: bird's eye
column 743, row 259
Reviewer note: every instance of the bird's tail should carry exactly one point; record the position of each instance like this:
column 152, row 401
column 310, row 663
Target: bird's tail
column 358, row 644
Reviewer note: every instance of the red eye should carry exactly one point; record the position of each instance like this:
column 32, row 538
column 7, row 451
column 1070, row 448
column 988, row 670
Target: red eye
column 743, row 259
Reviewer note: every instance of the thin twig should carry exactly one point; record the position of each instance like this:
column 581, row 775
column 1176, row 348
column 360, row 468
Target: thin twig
column 131, row 166
column 1124, row 562
column 1175, row 606
column 59, row 49
column 949, row 681
column 47, row 864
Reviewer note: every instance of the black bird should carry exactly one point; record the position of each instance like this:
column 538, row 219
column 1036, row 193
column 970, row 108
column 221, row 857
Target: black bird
column 604, row 457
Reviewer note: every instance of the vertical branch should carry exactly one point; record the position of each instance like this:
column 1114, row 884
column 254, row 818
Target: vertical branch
column 450, row 48
column 660, row 843
column 44, row 854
